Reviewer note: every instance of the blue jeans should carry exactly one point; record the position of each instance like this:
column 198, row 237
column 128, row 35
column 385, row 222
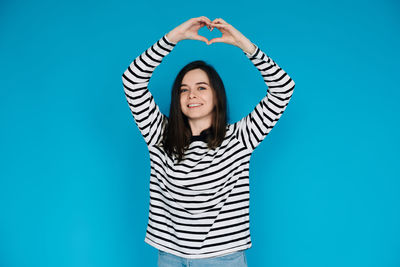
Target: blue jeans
column 235, row 259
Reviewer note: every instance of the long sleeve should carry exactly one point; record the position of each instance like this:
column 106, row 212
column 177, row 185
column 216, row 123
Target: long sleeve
column 135, row 79
column 254, row 127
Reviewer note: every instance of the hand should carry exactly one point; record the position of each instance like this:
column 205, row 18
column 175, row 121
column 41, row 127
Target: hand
column 189, row 30
column 231, row 36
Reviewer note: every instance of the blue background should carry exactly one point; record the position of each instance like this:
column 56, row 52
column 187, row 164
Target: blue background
column 74, row 187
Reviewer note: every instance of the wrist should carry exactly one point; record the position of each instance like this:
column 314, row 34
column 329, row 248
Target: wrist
column 172, row 37
column 247, row 46
column 250, row 50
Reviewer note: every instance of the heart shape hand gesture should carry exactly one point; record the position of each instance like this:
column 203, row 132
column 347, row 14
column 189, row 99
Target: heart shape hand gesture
column 189, row 30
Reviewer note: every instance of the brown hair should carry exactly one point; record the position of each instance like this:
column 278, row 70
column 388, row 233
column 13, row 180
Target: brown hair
column 177, row 133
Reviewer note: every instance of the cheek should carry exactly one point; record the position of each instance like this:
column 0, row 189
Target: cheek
column 182, row 102
column 211, row 99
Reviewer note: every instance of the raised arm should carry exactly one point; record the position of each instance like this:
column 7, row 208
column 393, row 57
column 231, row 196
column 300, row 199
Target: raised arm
column 135, row 79
column 254, row 127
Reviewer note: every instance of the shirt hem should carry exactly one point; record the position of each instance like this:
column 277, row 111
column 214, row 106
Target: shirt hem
column 197, row 256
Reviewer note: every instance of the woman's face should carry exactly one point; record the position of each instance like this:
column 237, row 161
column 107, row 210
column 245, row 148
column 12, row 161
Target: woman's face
column 196, row 89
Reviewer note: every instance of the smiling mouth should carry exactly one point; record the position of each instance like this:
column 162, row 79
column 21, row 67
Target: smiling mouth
column 197, row 105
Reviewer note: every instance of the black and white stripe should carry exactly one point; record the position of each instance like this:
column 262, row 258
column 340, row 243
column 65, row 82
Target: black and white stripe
column 199, row 207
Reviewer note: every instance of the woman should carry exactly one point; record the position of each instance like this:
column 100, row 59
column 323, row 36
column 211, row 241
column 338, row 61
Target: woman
column 199, row 181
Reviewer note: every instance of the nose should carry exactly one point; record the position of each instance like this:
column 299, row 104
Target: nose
column 191, row 94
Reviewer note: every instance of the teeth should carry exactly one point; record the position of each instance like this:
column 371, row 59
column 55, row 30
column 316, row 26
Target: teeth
column 194, row 105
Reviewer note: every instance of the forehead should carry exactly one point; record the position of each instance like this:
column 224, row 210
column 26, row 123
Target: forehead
column 195, row 76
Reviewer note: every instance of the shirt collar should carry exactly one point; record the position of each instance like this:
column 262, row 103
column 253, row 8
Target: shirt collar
column 202, row 137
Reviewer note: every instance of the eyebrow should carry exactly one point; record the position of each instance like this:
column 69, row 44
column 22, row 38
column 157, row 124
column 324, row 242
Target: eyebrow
column 196, row 83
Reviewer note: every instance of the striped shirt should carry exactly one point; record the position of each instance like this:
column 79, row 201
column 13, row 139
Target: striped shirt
column 199, row 207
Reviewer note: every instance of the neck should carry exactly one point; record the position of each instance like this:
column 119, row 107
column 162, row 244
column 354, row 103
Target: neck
column 197, row 126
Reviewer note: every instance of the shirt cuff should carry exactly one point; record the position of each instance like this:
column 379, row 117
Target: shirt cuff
column 255, row 51
column 165, row 36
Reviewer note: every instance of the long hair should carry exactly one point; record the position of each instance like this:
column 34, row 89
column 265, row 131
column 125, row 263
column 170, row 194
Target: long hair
column 177, row 133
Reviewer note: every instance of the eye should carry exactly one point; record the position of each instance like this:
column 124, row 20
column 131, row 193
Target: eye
column 203, row 88
column 183, row 90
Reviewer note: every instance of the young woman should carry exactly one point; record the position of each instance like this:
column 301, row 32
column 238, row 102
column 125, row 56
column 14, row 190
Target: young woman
column 199, row 163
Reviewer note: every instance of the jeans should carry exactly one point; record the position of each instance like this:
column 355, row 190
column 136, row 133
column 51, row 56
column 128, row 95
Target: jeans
column 235, row 259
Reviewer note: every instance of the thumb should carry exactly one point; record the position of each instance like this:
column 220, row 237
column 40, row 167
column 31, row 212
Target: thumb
column 215, row 40
column 201, row 38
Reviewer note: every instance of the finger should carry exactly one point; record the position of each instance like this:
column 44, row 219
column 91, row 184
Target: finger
column 219, row 20
column 202, row 24
column 207, row 20
column 204, row 20
column 219, row 23
column 219, row 26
